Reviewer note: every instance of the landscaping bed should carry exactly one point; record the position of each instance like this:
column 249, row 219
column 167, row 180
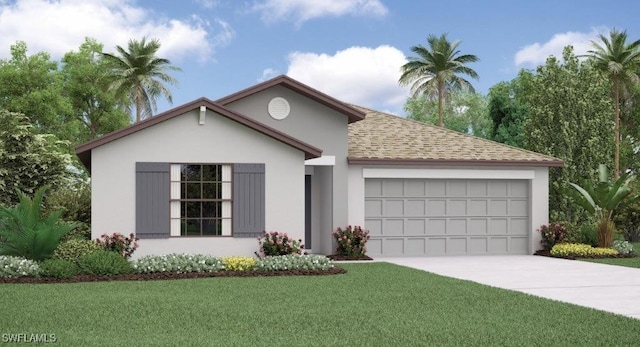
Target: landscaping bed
column 173, row 276
column 342, row 257
column 547, row 253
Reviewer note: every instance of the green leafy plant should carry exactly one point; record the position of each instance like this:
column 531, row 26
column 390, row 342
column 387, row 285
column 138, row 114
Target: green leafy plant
column 104, row 263
column 580, row 250
column 11, row 267
column 295, row 262
column 275, row 243
column 552, row 234
column 627, row 220
column 589, row 234
column 239, row 263
column 178, row 263
column 26, row 231
column 73, row 250
column 623, row 247
column 58, row 268
column 603, row 199
column 351, row 240
column 118, row 243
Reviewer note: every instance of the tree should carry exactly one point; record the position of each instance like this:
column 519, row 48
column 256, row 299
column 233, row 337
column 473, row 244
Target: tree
column 507, row 113
column 619, row 61
column 139, row 74
column 32, row 85
column 28, row 160
column 466, row 113
column 95, row 108
column 569, row 117
column 436, row 69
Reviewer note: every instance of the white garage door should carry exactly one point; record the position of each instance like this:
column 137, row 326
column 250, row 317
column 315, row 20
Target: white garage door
column 413, row 217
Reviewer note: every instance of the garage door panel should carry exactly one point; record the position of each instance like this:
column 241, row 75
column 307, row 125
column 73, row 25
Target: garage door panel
column 447, row 217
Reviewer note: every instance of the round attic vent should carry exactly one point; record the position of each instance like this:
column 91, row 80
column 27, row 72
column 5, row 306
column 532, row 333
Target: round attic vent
column 279, row 108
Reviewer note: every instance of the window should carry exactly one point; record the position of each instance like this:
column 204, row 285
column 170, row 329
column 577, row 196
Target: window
column 201, row 200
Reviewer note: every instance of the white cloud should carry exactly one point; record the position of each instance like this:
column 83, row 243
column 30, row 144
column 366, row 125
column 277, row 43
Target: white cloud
column 208, row 4
column 301, row 11
column 267, row 74
column 359, row 75
column 537, row 53
column 59, row 26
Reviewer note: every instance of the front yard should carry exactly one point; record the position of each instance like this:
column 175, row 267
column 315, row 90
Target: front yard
column 375, row 304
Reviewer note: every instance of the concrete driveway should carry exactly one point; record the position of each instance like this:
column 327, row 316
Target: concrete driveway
column 604, row 287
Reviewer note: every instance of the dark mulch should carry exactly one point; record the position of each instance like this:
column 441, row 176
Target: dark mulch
column 340, row 257
column 547, row 253
column 173, row 276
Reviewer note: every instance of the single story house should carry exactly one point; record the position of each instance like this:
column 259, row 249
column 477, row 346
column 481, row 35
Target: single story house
column 211, row 176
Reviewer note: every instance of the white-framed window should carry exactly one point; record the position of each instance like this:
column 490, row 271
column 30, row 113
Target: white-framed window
column 201, row 200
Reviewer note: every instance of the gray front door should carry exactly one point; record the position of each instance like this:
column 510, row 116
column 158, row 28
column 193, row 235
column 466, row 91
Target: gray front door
column 412, row 217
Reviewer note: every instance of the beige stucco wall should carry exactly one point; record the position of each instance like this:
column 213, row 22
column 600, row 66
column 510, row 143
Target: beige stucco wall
column 183, row 140
column 538, row 195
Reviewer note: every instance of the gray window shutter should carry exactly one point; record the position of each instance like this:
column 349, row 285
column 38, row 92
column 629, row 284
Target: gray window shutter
column 153, row 193
column 248, row 200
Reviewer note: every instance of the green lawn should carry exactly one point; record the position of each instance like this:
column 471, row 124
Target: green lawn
column 374, row 304
column 629, row 262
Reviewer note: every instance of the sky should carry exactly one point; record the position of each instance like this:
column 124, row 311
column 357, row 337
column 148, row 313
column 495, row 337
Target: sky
column 349, row 49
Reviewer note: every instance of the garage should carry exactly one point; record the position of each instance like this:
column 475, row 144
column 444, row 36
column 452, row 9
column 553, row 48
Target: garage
column 418, row 217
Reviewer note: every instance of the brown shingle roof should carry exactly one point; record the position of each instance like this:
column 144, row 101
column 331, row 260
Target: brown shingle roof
column 382, row 138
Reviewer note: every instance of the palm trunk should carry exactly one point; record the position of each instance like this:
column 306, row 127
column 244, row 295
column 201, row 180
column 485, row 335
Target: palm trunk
column 616, row 129
column 440, row 97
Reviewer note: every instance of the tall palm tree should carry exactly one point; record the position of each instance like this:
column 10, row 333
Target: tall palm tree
column 620, row 62
column 140, row 75
column 436, row 70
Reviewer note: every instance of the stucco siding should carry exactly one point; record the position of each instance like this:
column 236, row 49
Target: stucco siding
column 317, row 125
column 183, row 140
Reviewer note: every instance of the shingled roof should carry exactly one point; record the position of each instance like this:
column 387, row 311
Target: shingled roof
column 383, row 138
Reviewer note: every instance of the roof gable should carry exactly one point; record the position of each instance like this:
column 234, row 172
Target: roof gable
column 353, row 114
column 84, row 151
column 382, row 138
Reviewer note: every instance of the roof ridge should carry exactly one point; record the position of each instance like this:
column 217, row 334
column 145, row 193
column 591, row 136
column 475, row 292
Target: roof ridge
column 456, row 133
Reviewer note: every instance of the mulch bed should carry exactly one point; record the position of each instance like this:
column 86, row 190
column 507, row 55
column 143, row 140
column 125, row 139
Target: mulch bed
column 547, row 253
column 173, row 276
column 340, row 257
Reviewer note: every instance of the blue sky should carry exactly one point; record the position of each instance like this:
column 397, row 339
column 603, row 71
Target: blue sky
column 350, row 49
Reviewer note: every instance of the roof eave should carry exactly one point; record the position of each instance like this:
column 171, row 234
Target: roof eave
column 453, row 162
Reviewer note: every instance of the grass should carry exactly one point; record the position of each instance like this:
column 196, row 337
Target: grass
column 374, row 304
column 628, row 262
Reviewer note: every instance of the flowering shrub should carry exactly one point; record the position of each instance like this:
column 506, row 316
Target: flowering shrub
column 178, row 263
column 351, row 240
column 552, row 234
column 119, row 243
column 274, row 243
column 238, row 263
column 623, row 247
column 580, row 250
column 294, row 262
column 11, row 266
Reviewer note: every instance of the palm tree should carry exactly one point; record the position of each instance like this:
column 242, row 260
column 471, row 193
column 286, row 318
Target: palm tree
column 435, row 70
column 619, row 61
column 140, row 76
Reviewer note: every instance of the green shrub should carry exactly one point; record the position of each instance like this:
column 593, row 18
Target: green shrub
column 275, row 243
column 73, row 200
column 294, row 262
column 73, row 250
column 11, row 267
column 178, row 263
column 351, row 240
column 580, row 250
column 239, row 263
column 25, row 231
column 82, row 231
column 589, row 234
column 552, row 234
column 628, row 221
column 104, row 263
column 623, row 247
column 58, row 268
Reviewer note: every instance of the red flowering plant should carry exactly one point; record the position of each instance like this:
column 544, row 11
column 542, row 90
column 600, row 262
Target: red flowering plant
column 552, row 234
column 351, row 240
column 275, row 243
column 118, row 243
